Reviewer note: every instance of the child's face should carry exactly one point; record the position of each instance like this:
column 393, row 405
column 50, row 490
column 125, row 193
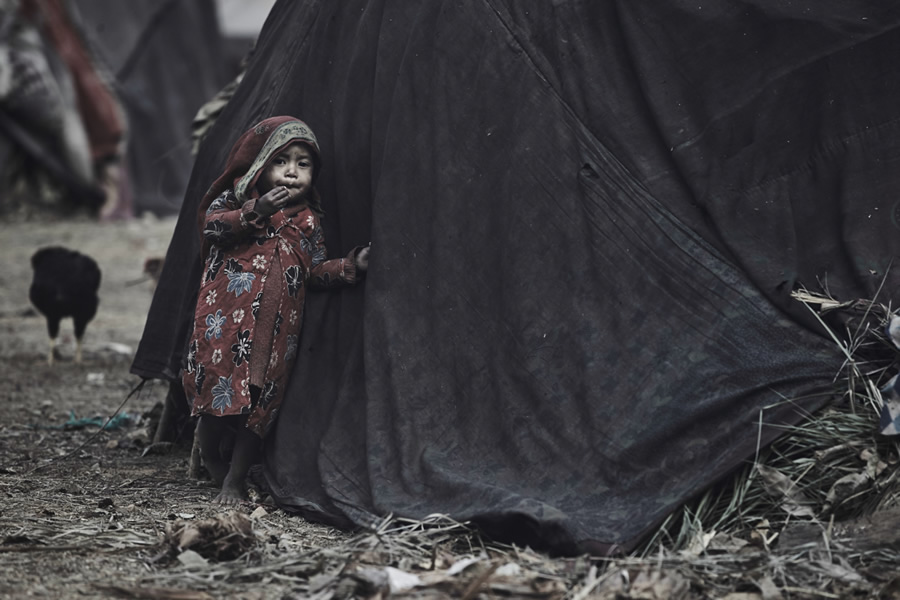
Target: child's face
column 291, row 168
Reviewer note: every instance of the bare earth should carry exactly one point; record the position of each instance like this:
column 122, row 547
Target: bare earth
column 87, row 512
column 83, row 509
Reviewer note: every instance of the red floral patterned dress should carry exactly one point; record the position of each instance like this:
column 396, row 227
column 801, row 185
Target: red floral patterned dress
column 250, row 306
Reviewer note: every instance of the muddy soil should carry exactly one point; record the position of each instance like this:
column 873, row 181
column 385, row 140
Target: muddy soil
column 83, row 510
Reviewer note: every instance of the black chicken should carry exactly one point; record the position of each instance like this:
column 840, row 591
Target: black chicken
column 65, row 284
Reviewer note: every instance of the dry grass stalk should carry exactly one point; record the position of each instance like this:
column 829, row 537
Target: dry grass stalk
column 836, row 461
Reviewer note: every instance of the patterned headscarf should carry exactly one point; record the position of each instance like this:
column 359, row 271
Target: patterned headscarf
column 252, row 152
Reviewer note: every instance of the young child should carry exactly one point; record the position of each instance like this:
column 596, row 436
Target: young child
column 262, row 245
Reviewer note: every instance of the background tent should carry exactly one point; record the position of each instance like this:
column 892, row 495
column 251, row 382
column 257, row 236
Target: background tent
column 167, row 58
column 99, row 96
column 60, row 123
column 586, row 221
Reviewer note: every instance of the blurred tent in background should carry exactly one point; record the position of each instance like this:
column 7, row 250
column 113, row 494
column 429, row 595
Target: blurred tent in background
column 97, row 99
column 167, row 58
column 61, row 125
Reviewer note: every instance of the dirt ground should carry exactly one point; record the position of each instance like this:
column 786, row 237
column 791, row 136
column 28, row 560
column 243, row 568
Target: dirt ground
column 84, row 509
column 87, row 512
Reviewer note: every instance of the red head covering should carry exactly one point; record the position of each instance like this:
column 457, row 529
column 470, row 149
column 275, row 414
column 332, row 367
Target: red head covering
column 250, row 155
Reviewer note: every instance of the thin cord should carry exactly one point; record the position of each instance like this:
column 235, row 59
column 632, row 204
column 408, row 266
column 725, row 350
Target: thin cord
column 139, row 387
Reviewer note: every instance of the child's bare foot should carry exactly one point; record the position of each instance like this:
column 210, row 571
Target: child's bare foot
column 211, row 432
column 234, row 485
column 231, row 495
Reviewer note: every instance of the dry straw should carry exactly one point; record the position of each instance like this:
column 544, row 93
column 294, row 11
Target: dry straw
column 835, row 466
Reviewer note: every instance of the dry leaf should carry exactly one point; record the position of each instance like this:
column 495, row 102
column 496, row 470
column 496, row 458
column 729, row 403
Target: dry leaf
column 659, row 585
column 839, row 572
column 189, row 558
column 224, row 537
column 698, row 544
column 723, row 542
column 769, row 589
column 794, row 502
column 843, row 488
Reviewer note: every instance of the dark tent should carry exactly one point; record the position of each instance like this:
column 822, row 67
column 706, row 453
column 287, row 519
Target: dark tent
column 586, row 219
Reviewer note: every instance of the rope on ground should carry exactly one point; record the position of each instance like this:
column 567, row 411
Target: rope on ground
column 135, row 390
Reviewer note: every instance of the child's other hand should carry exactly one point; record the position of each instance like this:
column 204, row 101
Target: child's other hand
column 272, row 201
column 362, row 258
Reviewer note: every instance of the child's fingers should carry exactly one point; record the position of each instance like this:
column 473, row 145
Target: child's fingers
column 280, row 196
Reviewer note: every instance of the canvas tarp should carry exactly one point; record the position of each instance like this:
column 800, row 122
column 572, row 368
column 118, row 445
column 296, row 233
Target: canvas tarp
column 586, row 221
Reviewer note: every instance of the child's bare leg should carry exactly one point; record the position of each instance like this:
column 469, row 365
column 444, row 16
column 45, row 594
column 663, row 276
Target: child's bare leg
column 210, row 431
column 246, row 448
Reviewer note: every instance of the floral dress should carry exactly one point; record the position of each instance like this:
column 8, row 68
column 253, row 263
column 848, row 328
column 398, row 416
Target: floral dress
column 250, row 306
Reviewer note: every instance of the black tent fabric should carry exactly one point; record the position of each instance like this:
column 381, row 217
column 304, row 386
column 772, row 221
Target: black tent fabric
column 586, row 221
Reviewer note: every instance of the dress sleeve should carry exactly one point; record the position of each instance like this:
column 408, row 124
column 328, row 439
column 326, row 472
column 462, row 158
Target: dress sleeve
column 324, row 274
column 228, row 221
